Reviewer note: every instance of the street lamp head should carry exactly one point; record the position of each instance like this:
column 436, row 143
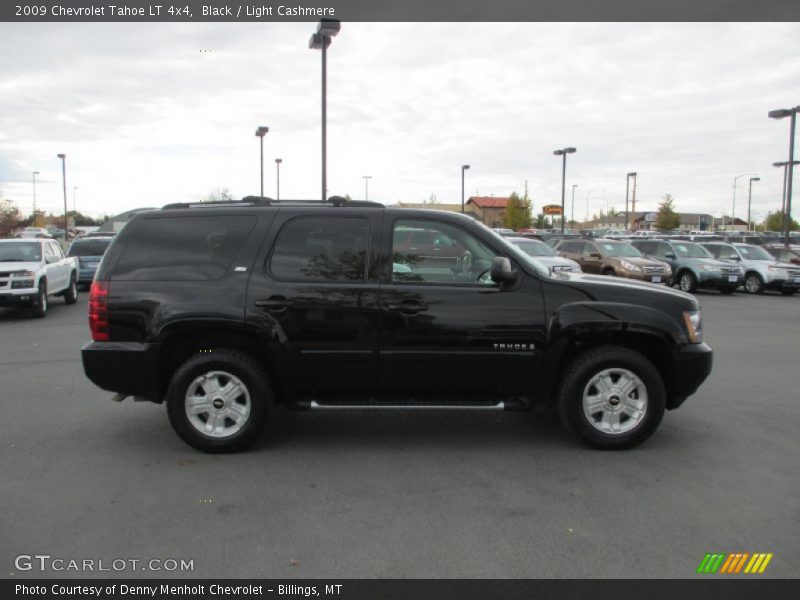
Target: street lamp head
column 278, row 160
column 632, row 174
column 262, row 131
column 464, row 167
column 780, row 164
column 329, row 27
column 36, row 172
column 558, row 152
column 781, row 113
column 62, row 156
column 755, row 179
column 317, row 40
column 570, row 150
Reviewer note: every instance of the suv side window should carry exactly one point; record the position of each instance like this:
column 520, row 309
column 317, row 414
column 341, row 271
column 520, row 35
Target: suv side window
column 454, row 257
column 192, row 248
column 661, row 249
column 589, row 249
column 321, row 249
column 576, row 247
column 713, row 248
column 57, row 250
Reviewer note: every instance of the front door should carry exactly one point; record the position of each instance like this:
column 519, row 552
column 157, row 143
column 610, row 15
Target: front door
column 446, row 328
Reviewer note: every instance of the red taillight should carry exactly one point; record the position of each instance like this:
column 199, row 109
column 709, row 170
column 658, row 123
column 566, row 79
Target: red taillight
column 98, row 310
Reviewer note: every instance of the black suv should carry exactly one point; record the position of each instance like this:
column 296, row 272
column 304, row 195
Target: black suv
column 222, row 310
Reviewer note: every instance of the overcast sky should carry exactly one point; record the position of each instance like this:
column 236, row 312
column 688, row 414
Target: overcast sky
column 145, row 117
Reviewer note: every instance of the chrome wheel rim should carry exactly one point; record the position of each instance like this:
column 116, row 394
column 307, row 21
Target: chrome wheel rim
column 217, row 404
column 615, row 401
column 686, row 283
column 752, row 284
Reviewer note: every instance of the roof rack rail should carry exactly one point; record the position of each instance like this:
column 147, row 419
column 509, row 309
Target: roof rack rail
column 246, row 201
column 264, row 201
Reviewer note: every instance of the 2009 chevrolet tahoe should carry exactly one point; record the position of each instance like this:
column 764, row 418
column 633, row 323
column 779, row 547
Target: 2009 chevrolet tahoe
column 221, row 310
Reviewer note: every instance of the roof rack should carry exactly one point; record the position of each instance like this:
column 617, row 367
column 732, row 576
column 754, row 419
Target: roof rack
column 264, row 201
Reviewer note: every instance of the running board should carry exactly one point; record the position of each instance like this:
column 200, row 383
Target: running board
column 409, row 405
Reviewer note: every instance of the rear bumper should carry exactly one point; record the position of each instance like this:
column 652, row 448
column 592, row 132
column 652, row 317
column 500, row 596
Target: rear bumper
column 124, row 367
column 693, row 366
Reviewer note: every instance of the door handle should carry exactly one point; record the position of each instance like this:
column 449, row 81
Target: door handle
column 274, row 303
column 409, row 307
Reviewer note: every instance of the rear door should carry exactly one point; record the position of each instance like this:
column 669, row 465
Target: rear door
column 315, row 293
column 591, row 258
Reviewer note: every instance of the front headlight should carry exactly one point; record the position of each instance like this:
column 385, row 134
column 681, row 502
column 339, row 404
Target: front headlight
column 694, row 325
column 778, row 270
column 24, row 274
column 711, row 268
column 630, row 266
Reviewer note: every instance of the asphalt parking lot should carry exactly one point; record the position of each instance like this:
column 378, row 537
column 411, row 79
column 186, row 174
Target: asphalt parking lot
column 442, row 495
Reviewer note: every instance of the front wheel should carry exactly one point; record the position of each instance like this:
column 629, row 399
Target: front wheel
column 612, row 398
column 687, row 282
column 71, row 294
column 753, row 284
column 39, row 306
column 219, row 401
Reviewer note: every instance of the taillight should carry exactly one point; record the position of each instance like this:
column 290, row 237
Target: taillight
column 98, row 310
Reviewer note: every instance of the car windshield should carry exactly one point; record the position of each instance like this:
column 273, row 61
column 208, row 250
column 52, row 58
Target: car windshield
column 691, row 251
column 536, row 248
column 21, row 252
column 618, row 249
column 94, row 247
column 754, row 253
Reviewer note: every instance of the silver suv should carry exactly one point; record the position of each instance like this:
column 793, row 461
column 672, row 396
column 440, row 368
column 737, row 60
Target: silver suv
column 761, row 270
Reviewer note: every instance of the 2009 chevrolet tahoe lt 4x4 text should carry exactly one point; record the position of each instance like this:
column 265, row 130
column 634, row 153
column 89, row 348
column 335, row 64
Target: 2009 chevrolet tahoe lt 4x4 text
column 222, row 310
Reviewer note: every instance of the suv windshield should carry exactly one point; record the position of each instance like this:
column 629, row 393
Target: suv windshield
column 536, row 248
column 21, row 252
column 618, row 249
column 754, row 253
column 691, row 251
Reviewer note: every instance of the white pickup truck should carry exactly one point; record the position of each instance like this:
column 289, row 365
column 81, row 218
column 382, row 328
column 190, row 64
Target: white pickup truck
column 33, row 269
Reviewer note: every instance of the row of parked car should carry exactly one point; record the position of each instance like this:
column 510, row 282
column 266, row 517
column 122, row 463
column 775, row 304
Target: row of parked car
column 720, row 265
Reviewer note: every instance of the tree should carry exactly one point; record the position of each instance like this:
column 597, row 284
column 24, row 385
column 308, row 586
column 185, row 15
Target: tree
column 517, row 214
column 774, row 222
column 431, row 200
column 667, row 218
column 219, row 194
column 9, row 217
column 541, row 221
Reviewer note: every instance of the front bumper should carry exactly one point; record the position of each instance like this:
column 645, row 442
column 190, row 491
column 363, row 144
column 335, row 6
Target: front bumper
column 714, row 279
column 9, row 297
column 663, row 277
column 693, row 365
column 127, row 368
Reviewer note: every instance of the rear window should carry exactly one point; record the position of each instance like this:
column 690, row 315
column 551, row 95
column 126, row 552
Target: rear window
column 89, row 247
column 183, row 248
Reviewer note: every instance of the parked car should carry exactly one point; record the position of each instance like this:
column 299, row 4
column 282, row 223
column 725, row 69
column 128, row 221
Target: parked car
column 692, row 265
column 613, row 257
column 761, row 270
column 504, row 231
column 783, row 254
column 31, row 270
column 545, row 255
column 34, row 232
column 222, row 311
column 89, row 251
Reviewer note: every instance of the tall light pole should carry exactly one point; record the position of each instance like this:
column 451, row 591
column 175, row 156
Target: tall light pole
column 572, row 212
column 463, row 168
column 627, row 188
column 633, row 200
column 326, row 30
column 366, row 179
column 563, row 154
column 63, row 158
column 750, row 198
column 787, row 216
column 35, row 173
column 278, row 162
column 261, row 131
column 784, row 164
column 74, row 207
column 733, row 210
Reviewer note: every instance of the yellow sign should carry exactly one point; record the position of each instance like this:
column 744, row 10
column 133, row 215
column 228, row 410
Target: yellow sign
column 551, row 209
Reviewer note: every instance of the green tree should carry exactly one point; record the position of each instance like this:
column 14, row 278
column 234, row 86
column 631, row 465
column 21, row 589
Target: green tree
column 9, row 217
column 219, row 194
column 518, row 213
column 431, row 200
column 541, row 221
column 667, row 217
column 774, row 222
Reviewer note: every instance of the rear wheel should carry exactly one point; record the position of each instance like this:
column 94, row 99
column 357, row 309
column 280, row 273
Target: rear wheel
column 687, row 282
column 753, row 284
column 612, row 398
column 71, row 294
column 39, row 306
column 219, row 401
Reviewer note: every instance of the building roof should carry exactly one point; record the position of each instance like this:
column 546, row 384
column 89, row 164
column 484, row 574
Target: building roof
column 488, row 202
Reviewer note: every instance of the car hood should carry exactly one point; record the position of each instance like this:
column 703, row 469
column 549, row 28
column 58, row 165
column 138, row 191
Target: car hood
column 640, row 261
column 552, row 261
column 13, row 266
column 603, row 287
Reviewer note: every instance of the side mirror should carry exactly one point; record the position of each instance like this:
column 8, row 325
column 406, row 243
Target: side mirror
column 501, row 270
column 50, row 259
column 669, row 255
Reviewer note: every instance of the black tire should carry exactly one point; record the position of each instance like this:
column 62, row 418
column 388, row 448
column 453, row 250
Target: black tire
column 609, row 272
column 727, row 291
column 788, row 292
column 71, row 293
column 255, row 381
column 687, row 282
column 577, row 379
column 39, row 306
column 753, row 284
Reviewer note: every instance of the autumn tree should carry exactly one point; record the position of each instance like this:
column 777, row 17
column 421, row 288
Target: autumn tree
column 774, row 222
column 517, row 214
column 9, row 217
column 667, row 218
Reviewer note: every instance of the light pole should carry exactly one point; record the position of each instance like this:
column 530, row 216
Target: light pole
column 563, row 154
column 627, row 188
column 35, row 173
column 787, row 216
column 261, row 131
column 463, row 168
column 74, row 207
column 326, row 30
column 733, row 210
column 278, row 162
column 63, row 158
column 366, row 179
column 750, row 198
column 633, row 200
column 572, row 212
column 589, row 193
column 784, row 164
